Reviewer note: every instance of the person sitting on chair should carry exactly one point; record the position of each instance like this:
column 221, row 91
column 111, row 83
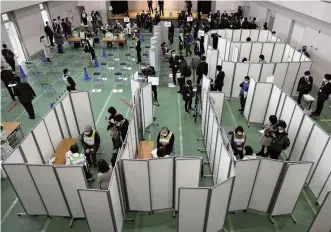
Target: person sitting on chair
column 91, row 142
column 166, row 140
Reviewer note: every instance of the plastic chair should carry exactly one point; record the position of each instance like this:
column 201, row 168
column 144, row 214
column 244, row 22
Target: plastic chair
column 111, row 60
column 116, row 51
column 119, row 79
column 128, row 59
column 97, row 80
column 104, row 69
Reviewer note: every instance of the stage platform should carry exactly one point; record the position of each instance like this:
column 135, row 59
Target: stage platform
column 168, row 15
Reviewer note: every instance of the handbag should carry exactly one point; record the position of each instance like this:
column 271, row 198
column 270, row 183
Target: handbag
column 114, row 133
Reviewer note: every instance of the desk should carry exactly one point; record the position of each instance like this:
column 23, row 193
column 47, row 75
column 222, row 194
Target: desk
column 60, row 157
column 308, row 98
column 10, row 127
column 75, row 39
column 114, row 40
column 144, row 150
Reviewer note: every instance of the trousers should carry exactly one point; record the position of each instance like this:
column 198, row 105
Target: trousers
column 11, row 93
column 242, row 102
column 29, row 108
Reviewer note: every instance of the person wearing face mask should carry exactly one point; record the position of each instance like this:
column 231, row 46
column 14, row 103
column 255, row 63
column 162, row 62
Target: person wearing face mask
column 188, row 95
column 114, row 133
column 202, row 69
column 7, row 78
column 84, row 17
column 138, row 49
column 304, row 86
column 122, row 126
column 323, row 94
column 171, row 32
column 261, row 59
column 266, row 138
column 249, row 153
column 173, row 66
column 219, row 81
column 90, row 140
column 184, row 71
column 238, row 140
column 304, row 51
column 280, row 140
column 243, row 93
column 71, row 85
column 46, row 48
column 181, row 42
column 165, row 140
column 195, row 61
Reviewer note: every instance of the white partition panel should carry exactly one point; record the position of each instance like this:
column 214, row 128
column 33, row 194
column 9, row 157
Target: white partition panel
column 304, row 66
column 45, row 179
column 235, row 54
column 254, row 70
column 228, row 34
column 147, row 104
column 161, row 173
column 290, row 78
column 187, row 172
column 240, row 73
column 249, row 98
column 290, row 188
column 25, row 189
column 208, row 59
column 228, row 68
column 212, row 64
column 218, row 101
column 82, row 109
column 273, row 103
column 114, row 190
column 322, row 222
column 280, row 104
column 244, row 34
column 72, row 178
column 236, row 35
column 227, row 50
column 192, row 209
column 14, row 158
column 224, row 166
column 326, row 188
column 315, row 146
column 256, row 52
column 137, row 184
column 211, row 119
column 267, row 71
column 204, row 112
column 296, row 56
column 263, row 36
column 286, row 53
column 246, row 171
column 254, row 35
column 260, row 102
column 213, row 145
column 277, row 55
column 218, row 207
column 287, row 111
column 53, row 128
column 205, row 42
column 44, row 141
column 267, row 50
column 302, row 138
column 280, row 73
column 62, row 120
column 294, row 127
column 30, row 150
column 70, row 117
column 322, row 171
column 135, row 85
column 98, row 210
column 245, row 51
column 221, row 32
column 126, row 152
column 217, row 157
column 221, row 48
column 265, row 184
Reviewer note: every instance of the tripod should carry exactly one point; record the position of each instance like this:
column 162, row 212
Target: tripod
column 197, row 105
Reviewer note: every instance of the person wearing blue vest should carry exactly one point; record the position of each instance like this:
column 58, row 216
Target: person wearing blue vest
column 243, row 93
column 91, row 142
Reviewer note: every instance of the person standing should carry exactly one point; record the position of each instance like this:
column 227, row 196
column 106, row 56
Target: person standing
column 157, row 18
column 87, row 53
column 238, row 141
column 114, row 133
column 243, row 93
column 25, row 95
column 188, row 41
column 49, row 33
column 173, row 66
column 46, row 48
column 56, row 25
column 171, row 33
column 161, row 5
column 65, row 28
column 219, row 81
column 166, row 140
column 104, row 174
column 7, row 77
column 150, row 5
column 188, row 95
column 122, row 125
column 69, row 26
column 94, row 20
column 195, row 61
column 9, row 56
column 304, row 86
column 181, row 42
column 84, row 17
column 184, row 69
column 202, row 69
column 189, row 7
column 280, row 140
column 138, row 49
column 90, row 140
column 6, row 149
column 266, row 138
column 90, row 43
column 323, row 94
column 59, row 41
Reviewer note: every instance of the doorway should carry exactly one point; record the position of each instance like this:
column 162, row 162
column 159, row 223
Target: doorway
column 204, row 7
column 271, row 22
column 15, row 42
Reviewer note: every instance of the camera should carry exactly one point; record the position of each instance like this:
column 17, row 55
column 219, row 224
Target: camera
column 148, row 71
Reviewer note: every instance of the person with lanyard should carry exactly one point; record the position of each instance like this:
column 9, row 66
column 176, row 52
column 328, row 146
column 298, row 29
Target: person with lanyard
column 243, row 93
column 165, row 140
column 266, row 138
column 25, row 94
column 219, row 81
column 202, row 69
column 71, row 85
column 114, row 133
column 280, row 140
column 6, row 149
column 122, row 125
column 138, row 49
column 323, row 94
column 188, row 95
column 238, row 140
column 87, row 53
column 84, row 17
column 304, row 86
column 150, row 5
column 161, row 6
column 225, row 15
column 7, row 78
column 90, row 140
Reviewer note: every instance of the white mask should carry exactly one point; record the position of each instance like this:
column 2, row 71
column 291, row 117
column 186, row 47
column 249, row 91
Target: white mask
column 164, row 135
column 246, row 81
column 173, row 55
column 306, row 77
column 239, row 133
column 325, row 80
column 118, row 123
column 280, row 130
column 86, row 133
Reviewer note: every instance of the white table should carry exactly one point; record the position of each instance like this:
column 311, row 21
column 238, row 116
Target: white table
column 308, row 98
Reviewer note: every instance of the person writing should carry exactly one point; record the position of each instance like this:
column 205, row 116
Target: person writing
column 243, row 93
column 219, row 81
column 90, row 140
column 104, row 174
column 71, row 85
column 165, row 140
column 238, row 140
column 323, row 94
column 304, row 86
column 25, row 94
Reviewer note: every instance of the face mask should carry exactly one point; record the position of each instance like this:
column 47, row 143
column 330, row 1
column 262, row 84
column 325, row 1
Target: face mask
column 86, row 133
column 118, row 124
column 306, row 76
column 239, row 133
column 280, row 130
column 173, row 55
column 164, row 134
column 325, row 80
column 246, row 81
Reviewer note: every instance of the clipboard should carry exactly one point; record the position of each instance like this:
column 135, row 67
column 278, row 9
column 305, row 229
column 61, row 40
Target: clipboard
column 189, row 19
column 201, row 33
column 154, row 80
column 126, row 19
column 167, row 24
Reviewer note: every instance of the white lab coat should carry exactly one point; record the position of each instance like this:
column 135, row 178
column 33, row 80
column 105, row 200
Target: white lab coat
column 46, row 48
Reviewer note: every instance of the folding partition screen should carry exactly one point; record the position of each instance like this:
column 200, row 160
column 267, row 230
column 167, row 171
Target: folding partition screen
column 277, row 54
column 227, row 51
column 250, row 96
column 31, row 151
column 228, row 34
column 221, row 32
column 211, row 122
column 267, row 71
column 53, row 128
column 267, row 51
column 254, row 35
column 62, row 120
column 240, row 73
column 290, row 77
column 280, row 104
column 263, row 36
column 228, row 68
column 245, row 34
column 215, row 159
column 236, row 35
column 273, row 102
column 212, row 64
column 254, row 70
column 304, row 66
column 43, row 141
column 147, row 103
column 204, row 96
column 325, row 189
column 70, row 117
column 286, row 54
column 98, row 210
column 245, row 51
column 217, row 99
column 280, row 73
column 287, row 110
column 256, row 52
column 224, row 166
column 322, row 220
column 222, row 48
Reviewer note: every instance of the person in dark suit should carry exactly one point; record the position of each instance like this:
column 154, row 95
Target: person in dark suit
column 161, row 5
column 171, row 32
column 305, row 85
column 219, row 81
column 323, row 94
column 71, row 85
column 9, row 56
column 150, row 5
column 25, row 95
column 138, row 49
column 7, row 77
column 49, row 32
column 202, row 69
column 173, row 65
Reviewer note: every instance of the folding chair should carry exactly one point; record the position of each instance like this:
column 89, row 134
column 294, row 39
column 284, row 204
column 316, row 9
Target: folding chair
column 119, row 79
column 97, row 80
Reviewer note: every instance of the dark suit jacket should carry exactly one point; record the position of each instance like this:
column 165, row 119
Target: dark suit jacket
column 202, row 69
column 219, row 81
column 7, row 77
column 304, row 86
column 24, row 92
column 138, row 48
column 324, row 91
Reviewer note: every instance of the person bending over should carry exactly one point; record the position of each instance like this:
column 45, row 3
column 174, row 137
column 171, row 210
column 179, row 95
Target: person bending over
column 238, row 140
column 91, row 142
column 266, row 138
column 166, row 140
column 249, row 153
column 104, row 174
column 71, row 85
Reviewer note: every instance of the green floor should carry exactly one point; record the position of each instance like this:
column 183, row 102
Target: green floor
column 171, row 114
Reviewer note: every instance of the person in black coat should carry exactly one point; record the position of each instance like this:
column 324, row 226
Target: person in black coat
column 138, row 49
column 323, row 94
column 9, row 56
column 122, row 125
column 188, row 95
column 219, row 81
column 49, row 32
column 150, row 5
column 25, row 95
column 305, row 85
column 71, row 85
column 7, row 77
column 171, row 32
column 188, row 7
column 157, row 18
column 173, row 65
column 183, row 67
column 202, row 69
column 65, row 28
column 161, row 5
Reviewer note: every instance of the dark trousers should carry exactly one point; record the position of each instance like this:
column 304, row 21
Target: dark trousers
column 50, row 37
column 154, row 90
column 150, row 7
column 242, row 102
column 11, row 62
column 171, row 38
column 320, row 105
column 262, row 151
column 199, row 79
column 92, row 53
column 116, row 144
column 174, row 71
column 274, row 154
column 188, row 49
column 11, row 93
column 301, row 95
column 181, row 82
column 60, row 48
column 29, row 108
column 138, row 56
column 91, row 157
column 218, row 88
column 188, row 105
column 161, row 9
column 70, row 88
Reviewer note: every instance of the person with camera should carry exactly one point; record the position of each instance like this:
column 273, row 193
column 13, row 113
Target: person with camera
column 185, row 71
column 188, row 95
column 280, row 140
column 266, row 138
column 150, row 71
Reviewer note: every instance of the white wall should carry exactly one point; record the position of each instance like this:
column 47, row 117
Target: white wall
column 100, row 6
column 257, row 11
column 282, row 26
column 297, row 34
column 15, row 5
column 64, row 9
column 168, row 5
column 228, row 6
column 5, row 38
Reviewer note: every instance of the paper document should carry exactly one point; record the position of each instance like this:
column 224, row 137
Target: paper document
column 154, row 80
column 261, row 131
column 154, row 153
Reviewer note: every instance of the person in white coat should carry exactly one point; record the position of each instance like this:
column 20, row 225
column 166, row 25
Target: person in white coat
column 46, row 48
